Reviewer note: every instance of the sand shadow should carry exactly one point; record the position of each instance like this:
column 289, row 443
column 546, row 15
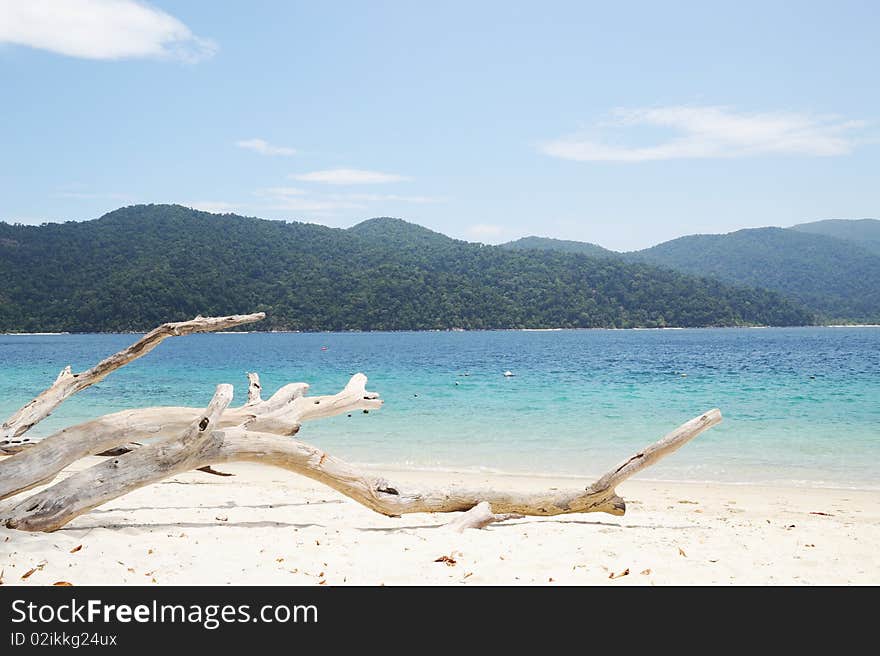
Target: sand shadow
column 516, row 523
column 226, row 506
column 193, row 525
column 599, row 522
column 366, row 529
column 393, row 529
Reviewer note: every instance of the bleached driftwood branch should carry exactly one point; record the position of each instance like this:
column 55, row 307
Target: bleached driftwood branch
column 55, row 506
column 254, row 388
column 68, row 383
column 480, row 516
column 52, row 508
column 185, row 439
column 282, row 414
column 389, row 499
column 117, row 476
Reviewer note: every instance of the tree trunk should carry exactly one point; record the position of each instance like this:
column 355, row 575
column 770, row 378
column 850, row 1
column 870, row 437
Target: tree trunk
column 57, row 505
column 68, row 383
column 172, row 440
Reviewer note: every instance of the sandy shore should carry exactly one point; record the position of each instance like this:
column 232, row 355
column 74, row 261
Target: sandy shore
column 265, row 526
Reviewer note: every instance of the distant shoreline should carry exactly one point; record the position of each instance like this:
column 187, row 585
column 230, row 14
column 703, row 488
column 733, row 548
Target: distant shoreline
column 449, row 330
column 26, row 334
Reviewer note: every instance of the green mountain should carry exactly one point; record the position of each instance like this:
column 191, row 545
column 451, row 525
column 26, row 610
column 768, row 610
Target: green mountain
column 832, row 267
column 386, row 230
column 139, row 266
column 839, row 280
column 561, row 245
column 864, row 232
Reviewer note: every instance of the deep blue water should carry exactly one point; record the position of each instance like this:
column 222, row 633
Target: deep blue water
column 800, row 404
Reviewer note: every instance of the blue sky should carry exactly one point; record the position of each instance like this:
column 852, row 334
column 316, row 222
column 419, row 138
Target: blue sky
column 624, row 125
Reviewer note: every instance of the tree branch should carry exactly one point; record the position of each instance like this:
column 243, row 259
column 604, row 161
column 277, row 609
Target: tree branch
column 282, row 414
column 254, row 388
column 52, row 508
column 480, row 516
column 68, row 383
column 392, row 500
column 114, row 477
column 184, row 439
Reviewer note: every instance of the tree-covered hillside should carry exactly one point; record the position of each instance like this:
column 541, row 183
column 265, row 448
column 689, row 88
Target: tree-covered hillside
column 383, row 231
column 840, row 280
column 139, row 266
column 831, row 267
column 863, row 232
column 561, row 245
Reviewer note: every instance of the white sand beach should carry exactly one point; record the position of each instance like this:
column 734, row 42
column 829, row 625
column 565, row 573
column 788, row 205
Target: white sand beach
column 266, row 526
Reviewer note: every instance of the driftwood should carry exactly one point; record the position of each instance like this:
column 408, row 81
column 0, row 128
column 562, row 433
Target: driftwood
column 281, row 414
column 69, row 383
column 254, row 389
column 480, row 516
column 57, row 505
column 175, row 440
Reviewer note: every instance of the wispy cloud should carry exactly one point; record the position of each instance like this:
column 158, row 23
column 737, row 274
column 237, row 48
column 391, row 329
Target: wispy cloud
column 485, row 231
column 264, row 147
column 213, row 206
column 348, row 177
column 295, row 199
column 323, row 206
column 708, row 132
column 395, row 198
column 100, row 29
column 298, row 200
column 275, row 192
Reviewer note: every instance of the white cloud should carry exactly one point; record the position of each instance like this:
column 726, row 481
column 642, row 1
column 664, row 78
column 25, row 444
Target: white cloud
column 297, row 200
column 710, row 132
column 264, row 147
column 348, row 177
column 281, row 191
column 213, row 206
column 100, row 29
column 485, row 231
column 384, row 198
column 296, row 204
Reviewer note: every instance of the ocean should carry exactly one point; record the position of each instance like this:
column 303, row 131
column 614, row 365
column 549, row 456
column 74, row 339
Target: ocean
column 801, row 405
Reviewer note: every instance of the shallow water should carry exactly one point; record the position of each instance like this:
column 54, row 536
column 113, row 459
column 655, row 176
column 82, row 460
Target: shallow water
column 801, row 405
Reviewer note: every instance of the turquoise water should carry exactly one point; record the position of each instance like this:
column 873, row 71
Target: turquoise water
column 801, row 405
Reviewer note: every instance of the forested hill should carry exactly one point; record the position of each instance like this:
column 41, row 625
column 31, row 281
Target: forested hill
column 838, row 279
column 385, row 231
column 561, row 245
column 863, row 232
column 142, row 265
column 831, row 267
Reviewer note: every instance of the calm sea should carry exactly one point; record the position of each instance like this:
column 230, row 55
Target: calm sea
column 801, row 405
